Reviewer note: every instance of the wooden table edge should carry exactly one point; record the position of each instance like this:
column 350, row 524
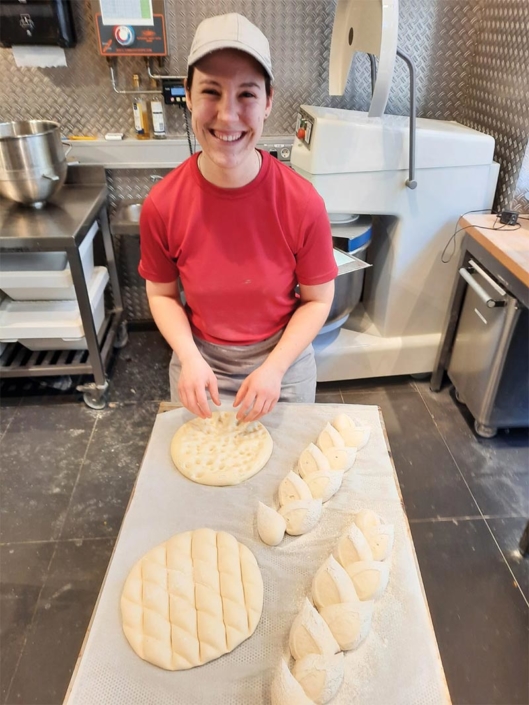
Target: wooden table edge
column 514, row 267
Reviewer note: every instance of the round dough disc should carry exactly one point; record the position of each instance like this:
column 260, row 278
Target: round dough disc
column 221, row 451
column 192, row 599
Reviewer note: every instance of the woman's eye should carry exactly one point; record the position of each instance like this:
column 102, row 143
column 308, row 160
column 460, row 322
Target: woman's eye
column 247, row 94
column 210, row 91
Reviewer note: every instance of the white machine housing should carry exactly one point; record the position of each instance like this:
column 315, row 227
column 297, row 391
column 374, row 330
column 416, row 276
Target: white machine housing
column 360, row 165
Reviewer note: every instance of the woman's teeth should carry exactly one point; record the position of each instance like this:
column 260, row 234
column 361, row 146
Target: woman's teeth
column 228, row 138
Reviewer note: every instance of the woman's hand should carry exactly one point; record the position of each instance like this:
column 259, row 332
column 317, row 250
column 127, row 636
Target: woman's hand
column 259, row 392
column 195, row 377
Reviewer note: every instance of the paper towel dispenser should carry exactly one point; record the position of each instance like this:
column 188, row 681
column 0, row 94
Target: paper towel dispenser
column 37, row 22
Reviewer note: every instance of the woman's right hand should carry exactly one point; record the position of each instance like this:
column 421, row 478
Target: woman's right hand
column 195, row 377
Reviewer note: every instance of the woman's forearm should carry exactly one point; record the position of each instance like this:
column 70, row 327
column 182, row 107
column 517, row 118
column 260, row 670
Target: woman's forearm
column 303, row 327
column 173, row 324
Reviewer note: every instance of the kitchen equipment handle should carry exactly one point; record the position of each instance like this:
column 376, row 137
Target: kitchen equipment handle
column 494, row 284
column 51, row 177
column 70, row 147
column 480, row 291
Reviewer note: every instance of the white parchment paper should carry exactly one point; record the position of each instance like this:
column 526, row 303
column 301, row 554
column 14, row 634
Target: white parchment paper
column 398, row 664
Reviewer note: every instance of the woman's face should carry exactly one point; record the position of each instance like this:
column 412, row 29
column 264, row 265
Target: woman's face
column 229, row 105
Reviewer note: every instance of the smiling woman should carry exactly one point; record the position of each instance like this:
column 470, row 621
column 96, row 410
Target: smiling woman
column 239, row 231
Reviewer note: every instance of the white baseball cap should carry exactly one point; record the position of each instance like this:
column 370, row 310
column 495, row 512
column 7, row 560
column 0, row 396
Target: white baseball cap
column 231, row 31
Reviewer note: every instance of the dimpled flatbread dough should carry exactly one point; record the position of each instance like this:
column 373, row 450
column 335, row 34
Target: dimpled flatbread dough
column 221, row 451
column 192, row 599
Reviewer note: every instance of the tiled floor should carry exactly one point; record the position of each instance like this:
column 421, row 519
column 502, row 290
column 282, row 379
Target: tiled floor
column 66, row 475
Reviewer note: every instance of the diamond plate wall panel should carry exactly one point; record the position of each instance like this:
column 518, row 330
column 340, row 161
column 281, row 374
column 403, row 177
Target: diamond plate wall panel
column 520, row 201
column 497, row 92
column 471, row 58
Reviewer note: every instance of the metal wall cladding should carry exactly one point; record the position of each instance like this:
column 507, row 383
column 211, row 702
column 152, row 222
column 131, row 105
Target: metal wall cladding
column 472, row 60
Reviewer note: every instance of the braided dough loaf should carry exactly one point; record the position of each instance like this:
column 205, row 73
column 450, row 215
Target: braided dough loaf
column 192, row 599
column 221, row 451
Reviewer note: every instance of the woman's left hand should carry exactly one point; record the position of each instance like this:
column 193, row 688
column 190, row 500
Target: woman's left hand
column 259, row 392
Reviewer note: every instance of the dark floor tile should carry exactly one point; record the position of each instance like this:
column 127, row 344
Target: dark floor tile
column 509, row 449
column 328, row 393
column 508, row 533
column 40, row 457
column 8, row 409
column 376, row 384
column 140, row 371
column 109, row 471
column 505, row 494
column 496, row 469
column 480, row 617
column 23, row 571
column 430, row 482
column 62, row 617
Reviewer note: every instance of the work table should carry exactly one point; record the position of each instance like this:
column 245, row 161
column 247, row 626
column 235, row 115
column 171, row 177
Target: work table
column 508, row 245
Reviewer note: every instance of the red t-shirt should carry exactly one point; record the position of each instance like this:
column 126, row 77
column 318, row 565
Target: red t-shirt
column 239, row 253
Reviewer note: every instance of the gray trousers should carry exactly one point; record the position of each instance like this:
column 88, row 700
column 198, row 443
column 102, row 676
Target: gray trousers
column 233, row 363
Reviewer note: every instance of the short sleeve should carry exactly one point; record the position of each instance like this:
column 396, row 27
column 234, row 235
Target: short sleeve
column 315, row 263
column 156, row 262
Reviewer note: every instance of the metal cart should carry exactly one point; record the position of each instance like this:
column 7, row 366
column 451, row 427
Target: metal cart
column 61, row 227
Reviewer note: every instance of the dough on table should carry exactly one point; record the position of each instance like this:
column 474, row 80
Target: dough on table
column 192, row 599
column 221, row 450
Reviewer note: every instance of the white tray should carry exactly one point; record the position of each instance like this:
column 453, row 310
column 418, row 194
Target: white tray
column 44, row 276
column 399, row 661
column 52, row 325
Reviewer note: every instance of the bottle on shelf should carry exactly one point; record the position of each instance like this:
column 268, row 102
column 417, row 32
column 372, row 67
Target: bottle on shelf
column 139, row 108
column 157, row 115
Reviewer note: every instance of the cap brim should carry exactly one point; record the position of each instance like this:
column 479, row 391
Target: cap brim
column 210, row 47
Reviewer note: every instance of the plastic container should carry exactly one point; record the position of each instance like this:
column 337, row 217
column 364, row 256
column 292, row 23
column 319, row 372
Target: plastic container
column 44, row 276
column 52, row 325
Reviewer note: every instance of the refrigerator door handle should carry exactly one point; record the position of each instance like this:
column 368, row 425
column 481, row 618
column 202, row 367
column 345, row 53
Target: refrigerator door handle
column 480, row 291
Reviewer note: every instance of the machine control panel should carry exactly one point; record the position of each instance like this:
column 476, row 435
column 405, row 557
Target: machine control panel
column 174, row 92
column 131, row 28
column 304, row 125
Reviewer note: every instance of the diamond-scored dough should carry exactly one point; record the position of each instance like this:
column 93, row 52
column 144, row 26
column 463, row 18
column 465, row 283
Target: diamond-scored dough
column 192, row 599
column 221, row 451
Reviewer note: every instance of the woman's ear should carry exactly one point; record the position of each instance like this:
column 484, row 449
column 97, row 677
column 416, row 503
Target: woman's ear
column 188, row 95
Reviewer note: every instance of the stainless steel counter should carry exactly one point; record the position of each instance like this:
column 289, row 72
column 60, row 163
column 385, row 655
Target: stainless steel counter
column 62, row 223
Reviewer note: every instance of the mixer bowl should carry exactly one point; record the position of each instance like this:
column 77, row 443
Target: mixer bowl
column 32, row 161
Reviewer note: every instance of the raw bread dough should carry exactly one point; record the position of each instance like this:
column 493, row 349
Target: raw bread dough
column 323, row 485
column 301, row 516
column 312, row 460
column 331, row 585
column 353, row 546
column 310, row 634
column 271, row 526
column 330, row 438
column 349, row 622
column 341, row 458
column 354, row 433
column 192, row 599
column 291, row 488
column 286, row 690
column 379, row 535
column 321, row 677
column 221, row 451
column 370, row 578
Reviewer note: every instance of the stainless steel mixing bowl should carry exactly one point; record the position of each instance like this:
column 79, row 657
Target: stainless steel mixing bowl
column 32, row 161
